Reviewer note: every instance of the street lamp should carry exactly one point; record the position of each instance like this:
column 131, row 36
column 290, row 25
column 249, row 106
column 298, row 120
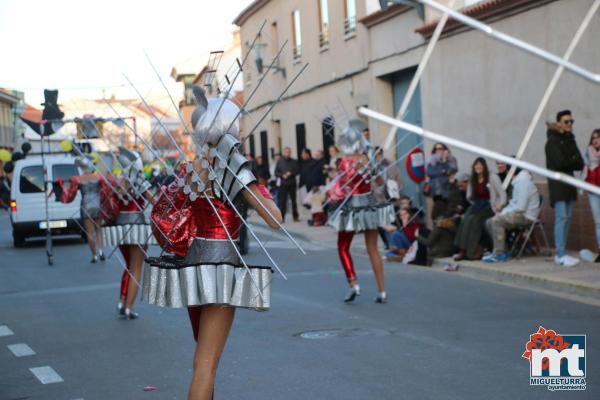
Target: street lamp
column 259, row 57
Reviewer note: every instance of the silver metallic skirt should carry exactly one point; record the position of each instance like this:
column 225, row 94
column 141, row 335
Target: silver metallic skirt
column 361, row 213
column 129, row 234
column 172, row 282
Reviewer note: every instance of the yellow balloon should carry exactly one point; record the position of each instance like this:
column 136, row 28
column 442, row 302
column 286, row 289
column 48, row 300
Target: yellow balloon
column 5, row 155
column 117, row 171
column 66, row 146
column 95, row 157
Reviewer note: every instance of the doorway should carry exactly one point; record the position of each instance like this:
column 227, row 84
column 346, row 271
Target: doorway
column 405, row 140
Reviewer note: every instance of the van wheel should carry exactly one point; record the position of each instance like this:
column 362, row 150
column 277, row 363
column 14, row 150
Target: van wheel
column 18, row 239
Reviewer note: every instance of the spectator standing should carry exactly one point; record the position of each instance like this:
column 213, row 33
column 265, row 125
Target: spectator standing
column 330, row 170
column 486, row 195
column 318, row 168
column 4, row 192
column 306, row 169
column 562, row 155
column 286, row 170
column 262, row 171
column 440, row 165
column 592, row 159
column 392, row 180
column 522, row 210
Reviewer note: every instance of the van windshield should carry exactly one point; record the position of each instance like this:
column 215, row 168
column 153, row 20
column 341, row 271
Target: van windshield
column 32, row 179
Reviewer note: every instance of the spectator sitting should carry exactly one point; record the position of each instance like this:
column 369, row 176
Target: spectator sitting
column 401, row 238
column 523, row 209
column 440, row 242
column 317, row 199
column 486, row 194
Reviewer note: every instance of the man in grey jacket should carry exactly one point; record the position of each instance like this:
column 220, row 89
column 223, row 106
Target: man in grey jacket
column 522, row 209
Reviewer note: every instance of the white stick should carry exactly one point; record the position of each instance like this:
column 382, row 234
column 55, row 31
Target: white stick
column 488, row 30
column 550, row 89
column 558, row 176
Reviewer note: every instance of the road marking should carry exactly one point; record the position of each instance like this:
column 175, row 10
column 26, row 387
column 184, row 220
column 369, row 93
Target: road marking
column 46, row 375
column 5, row 331
column 21, row 350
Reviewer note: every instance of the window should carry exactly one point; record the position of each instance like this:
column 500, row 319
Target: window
column 297, row 34
column 64, row 172
column 350, row 23
column 324, row 23
column 32, row 180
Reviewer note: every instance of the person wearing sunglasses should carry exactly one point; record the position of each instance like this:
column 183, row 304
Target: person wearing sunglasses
column 562, row 155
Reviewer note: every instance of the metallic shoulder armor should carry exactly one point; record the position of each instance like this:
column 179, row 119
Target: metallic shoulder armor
column 231, row 168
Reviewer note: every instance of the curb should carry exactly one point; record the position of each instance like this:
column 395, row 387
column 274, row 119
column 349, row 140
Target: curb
column 293, row 232
column 524, row 279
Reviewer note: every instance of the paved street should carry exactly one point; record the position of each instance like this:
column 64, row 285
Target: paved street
column 441, row 336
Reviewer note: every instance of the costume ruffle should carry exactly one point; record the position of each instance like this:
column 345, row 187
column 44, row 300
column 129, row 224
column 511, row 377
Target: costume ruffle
column 360, row 213
column 170, row 281
column 140, row 234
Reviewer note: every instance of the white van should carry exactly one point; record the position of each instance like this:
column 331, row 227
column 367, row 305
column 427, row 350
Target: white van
column 28, row 210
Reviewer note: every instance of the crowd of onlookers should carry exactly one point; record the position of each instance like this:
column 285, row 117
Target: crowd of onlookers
column 472, row 216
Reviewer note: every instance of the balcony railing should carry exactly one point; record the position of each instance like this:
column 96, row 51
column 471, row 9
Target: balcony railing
column 324, row 38
column 350, row 25
column 297, row 52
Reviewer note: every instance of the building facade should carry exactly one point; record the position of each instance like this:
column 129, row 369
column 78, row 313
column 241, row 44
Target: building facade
column 474, row 88
column 11, row 105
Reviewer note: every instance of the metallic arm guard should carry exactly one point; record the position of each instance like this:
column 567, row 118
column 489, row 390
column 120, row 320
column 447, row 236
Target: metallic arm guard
column 138, row 183
column 228, row 160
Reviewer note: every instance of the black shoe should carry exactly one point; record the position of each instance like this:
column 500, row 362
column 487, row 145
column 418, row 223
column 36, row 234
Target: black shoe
column 352, row 293
column 120, row 308
column 102, row 256
column 94, row 259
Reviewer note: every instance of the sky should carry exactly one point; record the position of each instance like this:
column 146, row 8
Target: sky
column 82, row 46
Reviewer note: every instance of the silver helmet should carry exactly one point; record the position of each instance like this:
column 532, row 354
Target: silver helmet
column 213, row 118
column 351, row 140
column 130, row 161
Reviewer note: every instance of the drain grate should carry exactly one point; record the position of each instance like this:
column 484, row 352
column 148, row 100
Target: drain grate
column 342, row 333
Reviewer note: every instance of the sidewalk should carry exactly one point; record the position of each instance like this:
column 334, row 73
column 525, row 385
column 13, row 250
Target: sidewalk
column 579, row 283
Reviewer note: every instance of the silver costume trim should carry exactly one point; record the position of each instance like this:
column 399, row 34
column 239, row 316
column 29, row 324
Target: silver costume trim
column 227, row 162
column 362, row 212
column 211, row 251
column 90, row 200
column 131, row 217
column 128, row 234
column 203, row 284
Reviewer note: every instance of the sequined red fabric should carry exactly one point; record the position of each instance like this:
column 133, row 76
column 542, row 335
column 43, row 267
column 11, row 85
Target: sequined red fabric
column 182, row 220
column 350, row 181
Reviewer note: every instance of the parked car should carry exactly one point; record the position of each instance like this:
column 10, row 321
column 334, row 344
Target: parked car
column 27, row 207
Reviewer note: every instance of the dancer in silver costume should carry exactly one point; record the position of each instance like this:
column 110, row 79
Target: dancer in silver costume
column 204, row 271
column 355, row 207
column 90, row 185
column 130, row 230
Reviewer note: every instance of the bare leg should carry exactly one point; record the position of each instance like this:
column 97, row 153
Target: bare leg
column 89, row 233
column 376, row 263
column 99, row 241
column 213, row 328
column 136, row 259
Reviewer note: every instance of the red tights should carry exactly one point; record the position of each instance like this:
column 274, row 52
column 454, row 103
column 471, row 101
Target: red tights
column 344, row 242
column 125, row 277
